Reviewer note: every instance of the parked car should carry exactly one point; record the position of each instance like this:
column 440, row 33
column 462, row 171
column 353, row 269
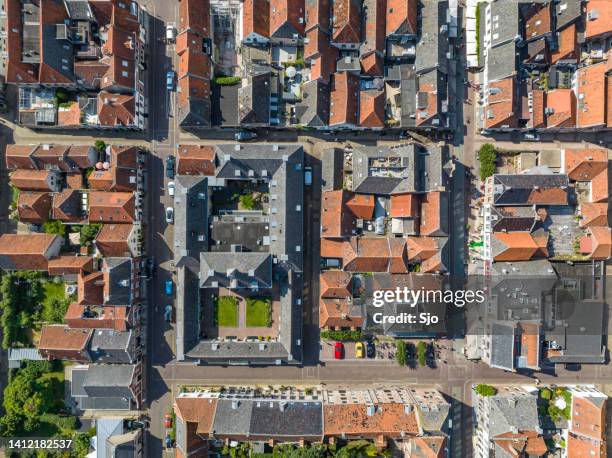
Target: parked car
column 531, row 137
column 574, row 367
column 308, row 176
column 338, row 350
column 359, row 350
column 170, row 32
column 168, row 313
column 170, row 80
column 168, row 420
column 170, row 167
column 169, row 215
column 244, row 136
column 171, row 188
column 137, row 424
column 370, row 350
column 169, row 287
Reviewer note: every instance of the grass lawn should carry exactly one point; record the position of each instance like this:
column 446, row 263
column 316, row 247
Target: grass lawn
column 258, row 313
column 53, row 291
column 226, row 310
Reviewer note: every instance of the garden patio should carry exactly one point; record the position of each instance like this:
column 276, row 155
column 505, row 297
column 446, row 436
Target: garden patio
column 237, row 314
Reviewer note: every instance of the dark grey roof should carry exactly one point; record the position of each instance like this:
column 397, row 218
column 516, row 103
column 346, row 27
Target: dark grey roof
column 235, row 270
column 187, row 310
column 504, row 22
column 190, row 216
column 520, row 219
column 332, row 161
column 110, row 346
column 194, row 113
column 371, row 176
column 54, row 52
column 254, row 99
column 313, row 109
column 502, row 345
column 79, row 10
column 78, row 378
column 408, row 91
column 502, row 61
column 567, row 11
column 232, row 417
column 109, row 380
column 435, row 158
column 123, row 445
column 236, row 168
column 516, row 411
column 517, row 189
column 120, row 281
column 286, row 419
column 225, row 106
column 432, row 44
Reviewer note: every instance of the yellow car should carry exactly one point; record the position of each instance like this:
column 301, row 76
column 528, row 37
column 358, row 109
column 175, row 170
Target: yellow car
column 359, row 350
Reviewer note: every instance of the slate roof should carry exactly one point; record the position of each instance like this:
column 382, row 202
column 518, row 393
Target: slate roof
column 117, row 281
column 190, row 216
column 109, row 380
column 110, row 346
column 529, row 189
column 513, row 411
column 247, row 269
column 254, row 98
column 432, row 44
column 286, row 419
column 313, row 109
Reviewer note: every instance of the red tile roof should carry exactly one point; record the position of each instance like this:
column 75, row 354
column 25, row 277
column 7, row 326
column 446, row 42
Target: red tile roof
column 66, row 265
column 112, row 207
column 373, row 47
column 600, row 23
column 61, row 337
column 404, row 206
column 197, row 410
column 344, row 99
column 582, row 446
column 256, row 17
column 195, row 160
column 431, row 223
column 538, row 120
column 588, row 417
column 66, row 206
column 593, row 214
column 599, row 245
column 389, row 420
column 372, row 108
column 32, row 180
column 336, row 313
column 500, row 110
column 112, row 240
column 361, row 205
column 335, row 284
column 324, row 65
column 27, row 251
column 287, row 15
column 331, row 248
column 592, row 109
column 116, row 109
column 69, row 116
column 517, row 246
column 427, row 447
column 537, row 19
column 18, row 157
column 335, row 221
column 562, row 104
column 585, row 164
column 421, row 248
column 568, row 45
column 90, row 73
column 82, row 316
column 401, row 17
column 90, row 288
column 33, row 207
column 366, row 254
column 194, row 15
column 317, row 14
column 346, row 21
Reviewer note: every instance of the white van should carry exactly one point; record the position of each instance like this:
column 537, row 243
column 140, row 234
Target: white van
column 170, row 32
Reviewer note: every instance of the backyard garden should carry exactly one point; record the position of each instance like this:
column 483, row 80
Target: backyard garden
column 259, row 312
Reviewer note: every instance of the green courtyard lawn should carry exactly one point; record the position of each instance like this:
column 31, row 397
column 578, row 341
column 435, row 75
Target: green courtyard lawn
column 226, row 312
column 259, row 312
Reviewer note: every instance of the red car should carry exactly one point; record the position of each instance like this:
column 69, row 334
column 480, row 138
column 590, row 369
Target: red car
column 338, row 350
column 168, row 421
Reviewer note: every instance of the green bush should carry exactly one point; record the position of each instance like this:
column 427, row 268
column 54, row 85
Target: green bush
column 485, row 390
column 421, row 356
column 247, row 201
column 400, row 352
column 488, row 158
column 341, row 335
column 100, row 145
column 54, row 227
column 227, row 80
column 545, row 393
column 89, row 233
